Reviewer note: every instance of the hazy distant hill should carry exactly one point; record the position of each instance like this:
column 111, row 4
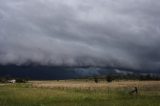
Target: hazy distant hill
column 50, row 72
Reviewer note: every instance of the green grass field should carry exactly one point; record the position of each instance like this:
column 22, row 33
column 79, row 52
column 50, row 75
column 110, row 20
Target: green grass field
column 80, row 93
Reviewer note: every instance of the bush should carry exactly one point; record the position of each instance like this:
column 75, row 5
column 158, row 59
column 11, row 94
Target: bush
column 19, row 80
column 109, row 78
column 3, row 80
column 95, row 79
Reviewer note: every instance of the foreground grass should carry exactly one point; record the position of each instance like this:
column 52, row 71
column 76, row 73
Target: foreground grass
column 31, row 94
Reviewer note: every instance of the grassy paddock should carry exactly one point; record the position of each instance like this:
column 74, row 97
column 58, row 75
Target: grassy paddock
column 80, row 93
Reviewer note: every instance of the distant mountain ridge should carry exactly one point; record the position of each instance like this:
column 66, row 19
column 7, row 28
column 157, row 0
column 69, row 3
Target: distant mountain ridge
column 36, row 72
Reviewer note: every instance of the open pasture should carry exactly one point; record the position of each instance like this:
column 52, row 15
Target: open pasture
column 80, row 93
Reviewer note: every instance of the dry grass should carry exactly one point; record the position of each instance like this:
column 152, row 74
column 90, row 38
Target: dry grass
column 145, row 85
column 80, row 93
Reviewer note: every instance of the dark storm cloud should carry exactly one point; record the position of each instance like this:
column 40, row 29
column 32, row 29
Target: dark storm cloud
column 118, row 33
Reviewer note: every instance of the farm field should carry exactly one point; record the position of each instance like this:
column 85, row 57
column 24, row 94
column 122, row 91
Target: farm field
column 80, row 93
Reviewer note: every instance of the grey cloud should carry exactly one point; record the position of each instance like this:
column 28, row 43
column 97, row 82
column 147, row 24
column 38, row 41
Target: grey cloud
column 113, row 33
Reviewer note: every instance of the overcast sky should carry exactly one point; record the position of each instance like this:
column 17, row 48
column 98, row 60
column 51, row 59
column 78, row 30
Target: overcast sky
column 118, row 33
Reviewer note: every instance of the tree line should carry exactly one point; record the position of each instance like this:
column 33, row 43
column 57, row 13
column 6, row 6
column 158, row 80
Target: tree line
column 116, row 77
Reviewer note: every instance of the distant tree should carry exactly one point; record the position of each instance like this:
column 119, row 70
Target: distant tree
column 148, row 77
column 20, row 80
column 109, row 78
column 3, row 80
column 95, row 79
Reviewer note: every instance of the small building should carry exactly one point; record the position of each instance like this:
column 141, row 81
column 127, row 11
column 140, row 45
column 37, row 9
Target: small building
column 12, row 81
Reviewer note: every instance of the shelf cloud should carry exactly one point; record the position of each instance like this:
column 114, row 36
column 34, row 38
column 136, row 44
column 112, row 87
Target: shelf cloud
column 114, row 33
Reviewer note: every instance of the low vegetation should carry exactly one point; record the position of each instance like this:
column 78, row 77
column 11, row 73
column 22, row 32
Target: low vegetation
column 80, row 93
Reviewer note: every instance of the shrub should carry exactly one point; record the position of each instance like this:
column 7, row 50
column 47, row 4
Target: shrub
column 95, row 79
